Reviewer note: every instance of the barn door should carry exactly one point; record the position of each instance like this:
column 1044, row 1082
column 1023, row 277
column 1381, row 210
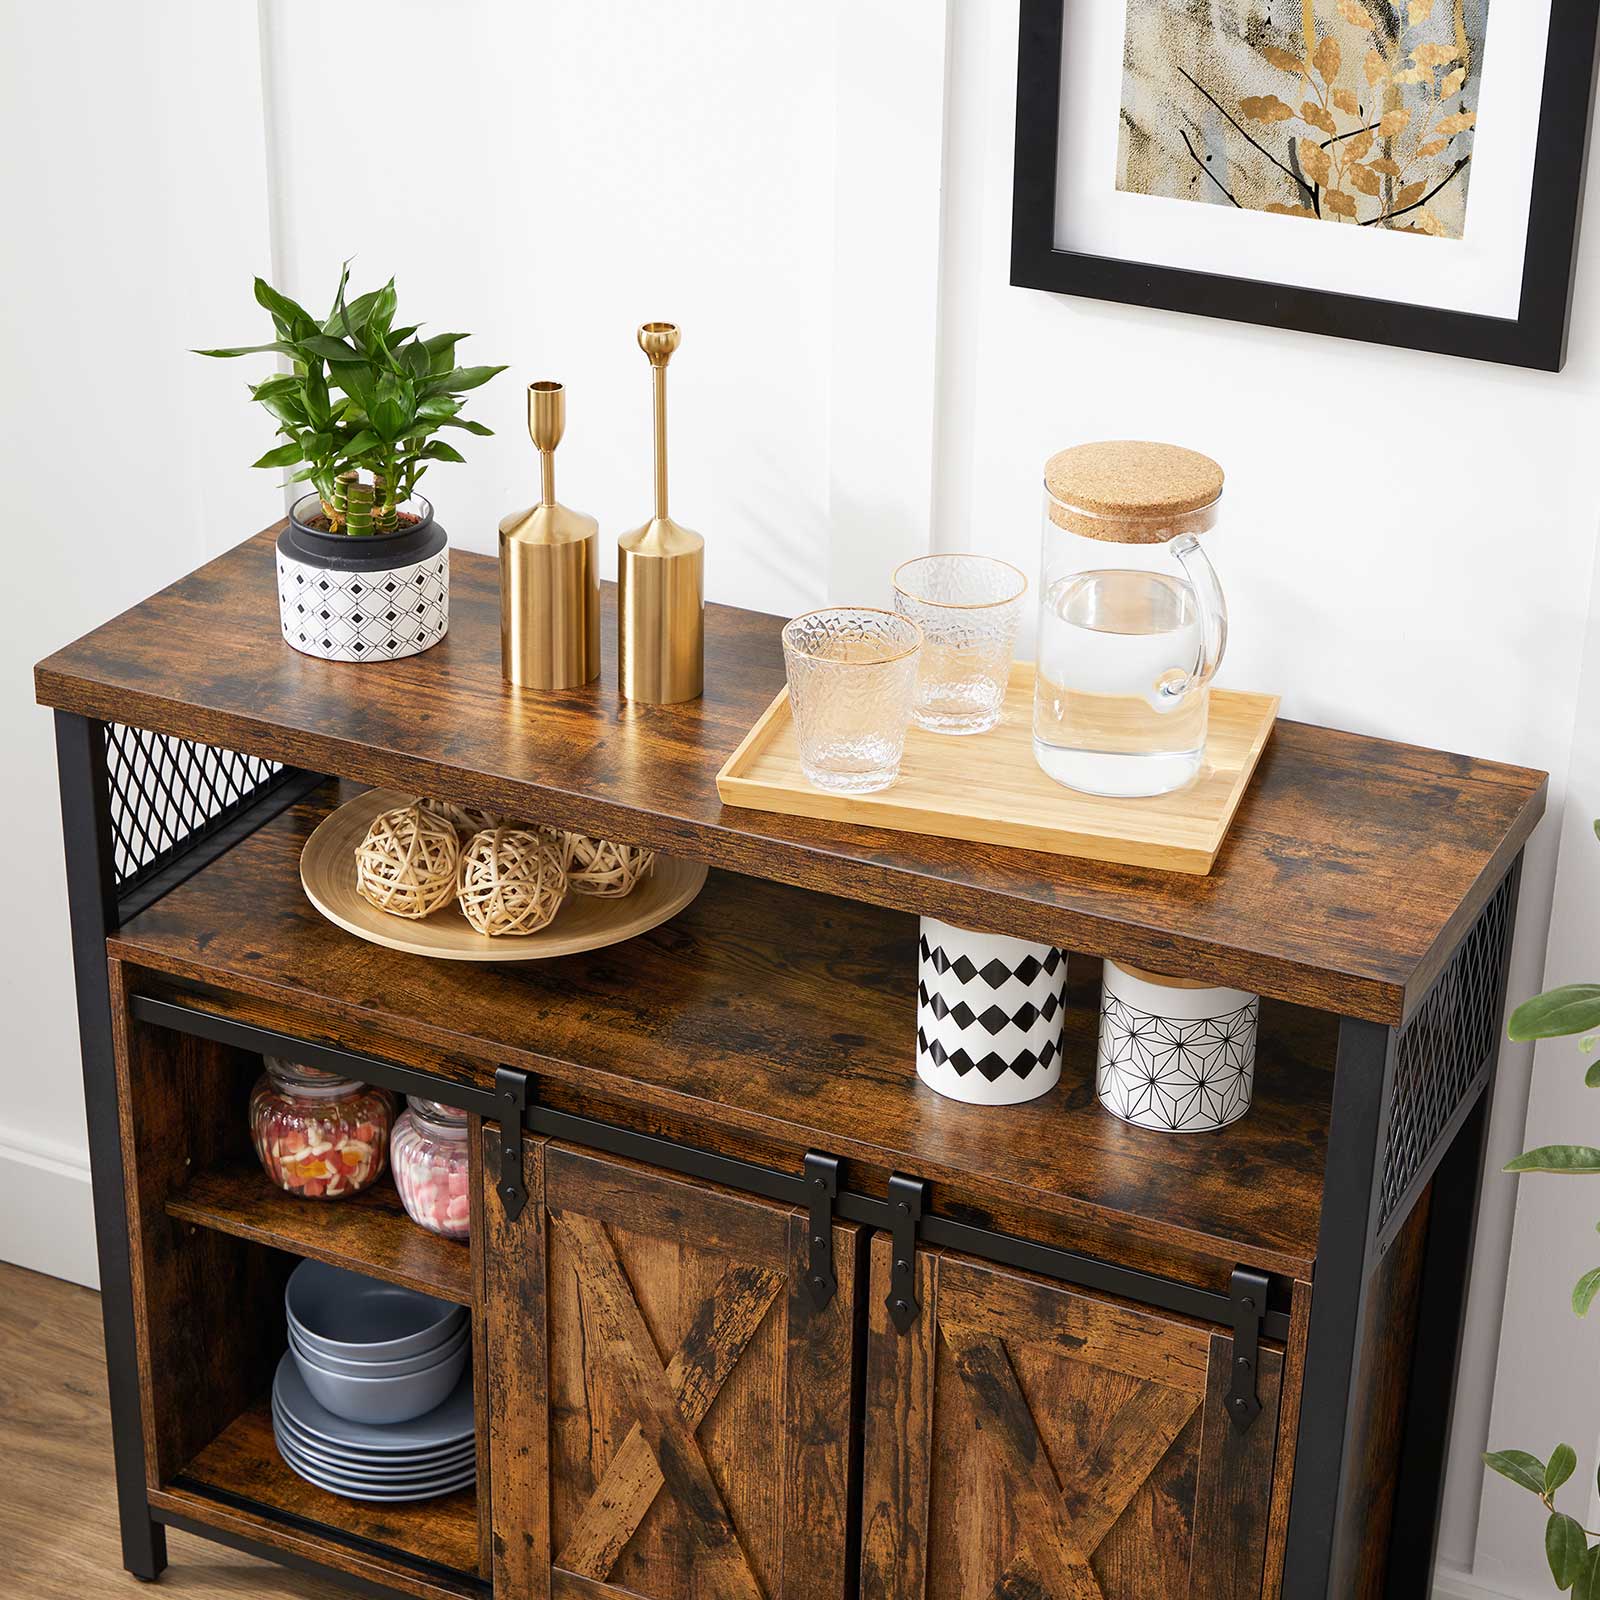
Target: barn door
column 1026, row 1441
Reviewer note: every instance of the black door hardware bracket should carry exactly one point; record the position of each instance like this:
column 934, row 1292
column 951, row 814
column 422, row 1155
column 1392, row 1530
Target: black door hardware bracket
column 1247, row 1294
column 906, row 1198
column 822, row 1188
column 511, row 1097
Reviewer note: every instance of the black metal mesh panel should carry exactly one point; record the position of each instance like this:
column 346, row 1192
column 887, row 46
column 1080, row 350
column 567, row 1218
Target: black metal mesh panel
column 1444, row 1046
column 168, row 793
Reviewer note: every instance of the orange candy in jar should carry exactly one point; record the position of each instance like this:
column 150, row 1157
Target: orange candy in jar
column 319, row 1135
column 429, row 1155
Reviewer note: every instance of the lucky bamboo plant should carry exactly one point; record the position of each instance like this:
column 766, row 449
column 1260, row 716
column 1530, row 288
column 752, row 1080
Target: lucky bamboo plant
column 362, row 403
column 1573, row 1009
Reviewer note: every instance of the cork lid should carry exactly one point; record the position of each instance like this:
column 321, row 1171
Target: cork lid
column 1132, row 492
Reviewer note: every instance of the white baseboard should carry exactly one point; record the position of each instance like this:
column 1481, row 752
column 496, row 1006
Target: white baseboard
column 46, row 1213
column 1450, row 1583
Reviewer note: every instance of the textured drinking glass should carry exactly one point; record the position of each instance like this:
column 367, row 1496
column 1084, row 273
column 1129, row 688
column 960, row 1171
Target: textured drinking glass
column 968, row 608
column 852, row 672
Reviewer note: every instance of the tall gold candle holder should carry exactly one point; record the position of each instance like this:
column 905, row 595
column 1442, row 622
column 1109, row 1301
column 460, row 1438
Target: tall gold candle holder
column 549, row 571
column 660, row 575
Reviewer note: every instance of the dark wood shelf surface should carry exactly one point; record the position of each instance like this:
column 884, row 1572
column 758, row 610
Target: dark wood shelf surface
column 242, row 1464
column 784, row 1014
column 369, row 1232
column 1351, row 869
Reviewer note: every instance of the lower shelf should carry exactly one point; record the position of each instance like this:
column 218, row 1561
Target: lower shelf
column 430, row 1547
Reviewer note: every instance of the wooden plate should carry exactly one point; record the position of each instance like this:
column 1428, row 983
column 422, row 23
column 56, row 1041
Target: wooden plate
column 584, row 922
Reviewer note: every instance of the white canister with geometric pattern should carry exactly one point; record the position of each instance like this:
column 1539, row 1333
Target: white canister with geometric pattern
column 989, row 1014
column 1175, row 1055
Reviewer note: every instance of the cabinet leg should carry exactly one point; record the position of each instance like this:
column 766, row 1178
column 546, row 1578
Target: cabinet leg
column 92, row 906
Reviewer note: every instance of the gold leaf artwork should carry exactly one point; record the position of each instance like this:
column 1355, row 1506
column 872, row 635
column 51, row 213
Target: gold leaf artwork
column 1314, row 160
column 1334, row 110
column 1265, row 108
column 1284, row 60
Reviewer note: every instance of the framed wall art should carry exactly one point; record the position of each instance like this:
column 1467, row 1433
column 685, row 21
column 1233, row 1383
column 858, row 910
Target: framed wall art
column 1406, row 172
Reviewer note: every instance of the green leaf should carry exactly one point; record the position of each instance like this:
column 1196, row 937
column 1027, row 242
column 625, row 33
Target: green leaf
column 278, row 383
column 1520, row 1467
column 483, row 433
column 438, row 405
column 1575, row 1158
column 363, row 442
column 438, row 450
column 415, row 360
column 1565, row 1548
column 280, row 305
column 1584, row 1291
column 441, row 351
column 284, row 456
column 1573, row 1008
column 460, row 379
column 286, row 407
column 1588, row 1585
column 1562, row 1464
column 319, row 344
column 383, row 307
column 278, row 347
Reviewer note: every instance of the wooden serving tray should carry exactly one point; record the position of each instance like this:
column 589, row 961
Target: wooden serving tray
column 988, row 788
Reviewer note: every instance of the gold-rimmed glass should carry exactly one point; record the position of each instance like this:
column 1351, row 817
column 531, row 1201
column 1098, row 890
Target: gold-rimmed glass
column 852, row 671
column 968, row 608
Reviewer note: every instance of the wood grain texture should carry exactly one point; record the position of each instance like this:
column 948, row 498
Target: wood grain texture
column 788, row 1017
column 699, row 1411
column 58, row 1518
column 991, row 790
column 1033, row 1442
column 515, row 1302
column 243, row 1461
column 1351, row 865
column 1294, row 1373
column 478, row 1258
column 369, row 1232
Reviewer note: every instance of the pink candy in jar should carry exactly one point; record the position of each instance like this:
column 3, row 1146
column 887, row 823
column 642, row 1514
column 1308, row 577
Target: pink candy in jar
column 428, row 1151
column 318, row 1135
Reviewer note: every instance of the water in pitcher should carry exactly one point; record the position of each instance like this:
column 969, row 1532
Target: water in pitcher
column 1111, row 715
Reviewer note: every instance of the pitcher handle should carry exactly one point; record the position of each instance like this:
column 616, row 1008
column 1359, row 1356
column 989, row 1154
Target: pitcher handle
column 1213, row 610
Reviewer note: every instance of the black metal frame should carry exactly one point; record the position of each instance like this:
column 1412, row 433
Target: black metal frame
column 1359, row 1220
column 1536, row 337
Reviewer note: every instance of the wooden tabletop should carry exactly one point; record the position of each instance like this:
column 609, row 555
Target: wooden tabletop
column 1352, row 868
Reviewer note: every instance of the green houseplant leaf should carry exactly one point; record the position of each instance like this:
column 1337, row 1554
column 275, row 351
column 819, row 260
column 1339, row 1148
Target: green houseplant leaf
column 1562, row 1464
column 1573, row 1008
column 1584, row 1291
column 1520, row 1467
column 1577, row 1158
column 1565, row 1548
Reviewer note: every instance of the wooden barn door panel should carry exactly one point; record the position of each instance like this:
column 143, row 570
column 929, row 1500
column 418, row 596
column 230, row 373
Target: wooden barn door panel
column 698, row 1403
column 1026, row 1441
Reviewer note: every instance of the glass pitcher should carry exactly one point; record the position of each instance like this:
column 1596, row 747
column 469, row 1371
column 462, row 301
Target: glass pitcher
column 1132, row 621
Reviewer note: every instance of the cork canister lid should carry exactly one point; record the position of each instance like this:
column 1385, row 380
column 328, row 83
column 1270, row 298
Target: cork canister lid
column 1132, row 492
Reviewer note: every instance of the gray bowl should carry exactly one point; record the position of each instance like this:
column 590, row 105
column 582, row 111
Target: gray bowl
column 375, row 1369
column 383, row 1400
column 356, row 1318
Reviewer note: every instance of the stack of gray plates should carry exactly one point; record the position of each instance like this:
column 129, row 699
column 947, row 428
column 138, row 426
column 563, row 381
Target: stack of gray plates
column 373, row 1399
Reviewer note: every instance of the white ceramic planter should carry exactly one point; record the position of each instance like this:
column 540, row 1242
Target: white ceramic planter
column 376, row 598
column 1175, row 1056
column 989, row 1015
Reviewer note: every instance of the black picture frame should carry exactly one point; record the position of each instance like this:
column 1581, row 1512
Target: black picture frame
column 1536, row 337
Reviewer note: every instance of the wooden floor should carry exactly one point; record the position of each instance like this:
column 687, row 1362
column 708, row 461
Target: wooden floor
column 58, row 1518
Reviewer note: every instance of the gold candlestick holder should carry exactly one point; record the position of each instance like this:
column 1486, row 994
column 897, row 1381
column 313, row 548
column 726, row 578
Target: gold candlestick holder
column 549, row 571
column 660, row 575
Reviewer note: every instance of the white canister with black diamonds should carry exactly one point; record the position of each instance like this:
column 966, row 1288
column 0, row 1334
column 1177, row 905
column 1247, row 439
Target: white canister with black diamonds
column 1175, row 1055
column 989, row 1015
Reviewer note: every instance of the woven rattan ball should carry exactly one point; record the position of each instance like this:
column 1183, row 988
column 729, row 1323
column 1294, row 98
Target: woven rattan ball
column 407, row 863
column 603, row 869
column 512, row 881
column 466, row 820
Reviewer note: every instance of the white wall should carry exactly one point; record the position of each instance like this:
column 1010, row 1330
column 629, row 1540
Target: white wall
column 822, row 199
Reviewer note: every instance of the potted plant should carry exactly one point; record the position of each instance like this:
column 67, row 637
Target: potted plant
column 1573, row 1009
column 363, row 567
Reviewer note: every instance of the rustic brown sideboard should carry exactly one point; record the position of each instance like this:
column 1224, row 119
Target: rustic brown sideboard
column 756, row 1314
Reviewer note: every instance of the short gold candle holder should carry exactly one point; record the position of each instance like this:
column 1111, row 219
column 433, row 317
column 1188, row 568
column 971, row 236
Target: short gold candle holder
column 660, row 575
column 549, row 571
